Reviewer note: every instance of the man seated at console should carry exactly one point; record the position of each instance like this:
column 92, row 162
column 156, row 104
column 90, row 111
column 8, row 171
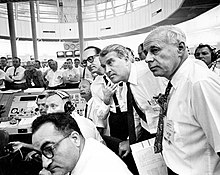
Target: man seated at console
column 52, row 101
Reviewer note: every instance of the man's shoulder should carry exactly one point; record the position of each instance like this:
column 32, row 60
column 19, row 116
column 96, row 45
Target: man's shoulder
column 10, row 68
column 21, row 68
column 1, row 71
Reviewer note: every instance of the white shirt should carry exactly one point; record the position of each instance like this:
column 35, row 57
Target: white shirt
column 97, row 159
column 97, row 94
column 2, row 77
column 97, row 113
column 71, row 73
column 79, row 71
column 18, row 75
column 144, row 86
column 87, row 127
column 88, row 74
column 194, row 121
column 54, row 78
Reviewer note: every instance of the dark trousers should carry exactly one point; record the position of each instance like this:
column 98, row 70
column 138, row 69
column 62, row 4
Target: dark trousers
column 118, row 124
column 113, row 144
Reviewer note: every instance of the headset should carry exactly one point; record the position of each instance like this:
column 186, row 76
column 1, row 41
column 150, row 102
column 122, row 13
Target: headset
column 214, row 55
column 69, row 106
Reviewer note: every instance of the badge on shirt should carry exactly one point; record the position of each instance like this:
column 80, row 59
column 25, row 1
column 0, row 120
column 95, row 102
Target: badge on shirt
column 168, row 131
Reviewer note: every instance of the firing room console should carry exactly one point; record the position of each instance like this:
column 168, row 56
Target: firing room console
column 20, row 109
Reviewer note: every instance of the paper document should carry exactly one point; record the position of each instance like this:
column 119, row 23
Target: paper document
column 148, row 163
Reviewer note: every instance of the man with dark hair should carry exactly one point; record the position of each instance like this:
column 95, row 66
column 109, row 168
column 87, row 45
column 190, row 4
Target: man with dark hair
column 33, row 76
column 91, row 57
column 206, row 53
column 16, row 75
column 71, row 77
column 141, row 53
column 4, row 64
column 65, row 150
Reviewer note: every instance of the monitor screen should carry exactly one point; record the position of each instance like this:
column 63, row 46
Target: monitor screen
column 77, row 53
column 60, row 54
column 69, row 53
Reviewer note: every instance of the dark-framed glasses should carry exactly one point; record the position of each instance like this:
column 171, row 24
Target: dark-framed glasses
column 48, row 151
column 90, row 58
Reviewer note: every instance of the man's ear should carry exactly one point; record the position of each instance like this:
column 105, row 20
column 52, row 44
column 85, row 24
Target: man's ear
column 75, row 138
column 181, row 47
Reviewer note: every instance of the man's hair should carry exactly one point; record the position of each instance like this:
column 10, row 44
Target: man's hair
column 69, row 59
column 141, row 46
column 37, row 61
column 87, row 80
column 211, row 49
column 17, row 59
column 120, row 50
column 4, row 58
column 49, row 60
column 76, row 59
column 169, row 34
column 98, row 50
column 63, row 122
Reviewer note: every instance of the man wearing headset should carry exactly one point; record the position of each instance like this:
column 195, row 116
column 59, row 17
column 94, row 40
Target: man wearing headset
column 59, row 101
column 52, row 101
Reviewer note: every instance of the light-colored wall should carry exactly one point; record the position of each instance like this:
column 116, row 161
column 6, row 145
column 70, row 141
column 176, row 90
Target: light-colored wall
column 141, row 18
column 202, row 29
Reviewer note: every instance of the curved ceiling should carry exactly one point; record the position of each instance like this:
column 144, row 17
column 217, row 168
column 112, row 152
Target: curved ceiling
column 188, row 10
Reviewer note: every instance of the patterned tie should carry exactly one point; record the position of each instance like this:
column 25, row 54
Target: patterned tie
column 163, row 102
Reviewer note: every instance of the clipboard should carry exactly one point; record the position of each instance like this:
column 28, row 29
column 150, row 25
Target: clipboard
column 147, row 162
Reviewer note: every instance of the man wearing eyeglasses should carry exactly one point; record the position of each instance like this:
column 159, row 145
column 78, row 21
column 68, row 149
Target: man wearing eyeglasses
column 65, row 151
column 113, row 97
column 91, row 59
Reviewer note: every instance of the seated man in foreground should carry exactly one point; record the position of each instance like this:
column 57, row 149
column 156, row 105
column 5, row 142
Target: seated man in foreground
column 65, row 150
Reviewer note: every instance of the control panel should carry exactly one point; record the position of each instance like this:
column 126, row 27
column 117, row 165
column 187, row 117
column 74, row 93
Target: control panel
column 20, row 109
column 23, row 106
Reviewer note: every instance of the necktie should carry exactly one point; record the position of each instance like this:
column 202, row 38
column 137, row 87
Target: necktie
column 15, row 71
column 84, row 72
column 86, row 109
column 163, row 102
column 131, row 124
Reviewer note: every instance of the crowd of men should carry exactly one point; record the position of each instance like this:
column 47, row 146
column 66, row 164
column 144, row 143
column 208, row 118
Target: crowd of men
column 167, row 95
column 34, row 76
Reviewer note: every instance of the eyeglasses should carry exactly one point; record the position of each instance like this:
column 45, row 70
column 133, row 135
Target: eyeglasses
column 90, row 59
column 48, row 151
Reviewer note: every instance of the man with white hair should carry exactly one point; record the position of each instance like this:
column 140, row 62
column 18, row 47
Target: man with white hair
column 188, row 129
